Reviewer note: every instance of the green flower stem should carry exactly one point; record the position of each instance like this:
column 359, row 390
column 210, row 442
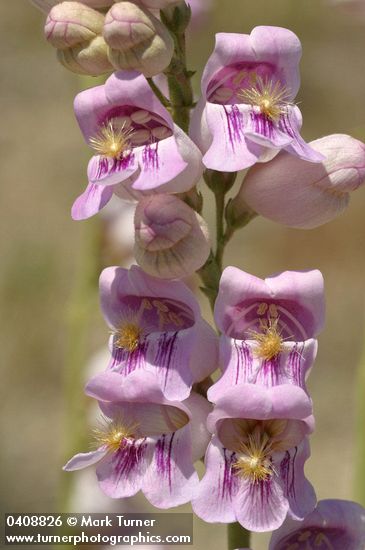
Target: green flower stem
column 238, row 537
column 220, row 233
column 231, row 228
column 178, row 76
column 181, row 98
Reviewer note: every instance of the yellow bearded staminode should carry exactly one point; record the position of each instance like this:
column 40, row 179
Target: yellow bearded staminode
column 271, row 97
column 112, row 141
column 254, row 463
column 269, row 340
column 131, row 332
column 128, row 336
column 112, row 434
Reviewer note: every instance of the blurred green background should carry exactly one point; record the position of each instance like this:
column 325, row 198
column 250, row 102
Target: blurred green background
column 42, row 171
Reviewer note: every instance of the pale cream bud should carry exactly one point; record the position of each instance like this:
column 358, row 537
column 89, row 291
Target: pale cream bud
column 90, row 60
column 137, row 39
column 75, row 30
column 171, row 240
column 71, row 23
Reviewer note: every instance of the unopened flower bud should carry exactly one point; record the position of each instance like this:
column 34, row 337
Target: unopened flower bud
column 300, row 194
column 90, row 60
column 171, row 240
column 137, row 39
column 75, row 30
column 72, row 23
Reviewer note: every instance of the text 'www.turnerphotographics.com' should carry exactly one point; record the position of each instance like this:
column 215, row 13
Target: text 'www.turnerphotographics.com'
column 111, row 529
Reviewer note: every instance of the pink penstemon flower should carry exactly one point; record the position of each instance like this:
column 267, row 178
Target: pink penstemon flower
column 247, row 111
column 138, row 149
column 254, row 463
column 268, row 327
column 156, row 326
column 333, row 525
column 145, row 442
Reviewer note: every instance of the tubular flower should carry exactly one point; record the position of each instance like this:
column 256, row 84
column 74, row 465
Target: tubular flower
column 255, row 461
column 288, row 190
column 156, row 326
column 138, row 148
column 145, row 442
column 75, row 30
column 171, row 239
column 333, row 525
column 247, row 111
column 137, row 40
column 268, row 328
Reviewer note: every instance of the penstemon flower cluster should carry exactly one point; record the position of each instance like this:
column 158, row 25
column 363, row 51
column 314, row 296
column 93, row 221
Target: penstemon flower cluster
column 151, row 143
